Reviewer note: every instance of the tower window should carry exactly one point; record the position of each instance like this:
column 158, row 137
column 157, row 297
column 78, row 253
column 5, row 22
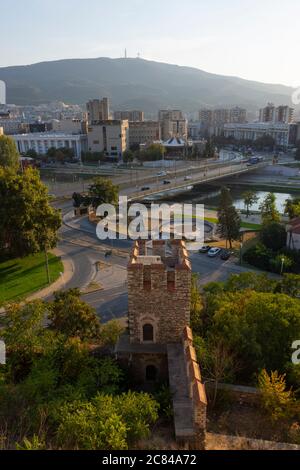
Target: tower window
column 148, row 333
column 151, row 373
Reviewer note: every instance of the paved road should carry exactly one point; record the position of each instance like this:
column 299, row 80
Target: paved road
column 85, row 250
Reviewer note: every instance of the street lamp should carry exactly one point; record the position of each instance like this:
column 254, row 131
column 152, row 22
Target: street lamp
column 282, row 265
column 241, row 253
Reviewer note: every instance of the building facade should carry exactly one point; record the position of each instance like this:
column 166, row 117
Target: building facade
column 280, row 114
column 173, row 124
column 41, row 143
column 131, row 116
column 144, row 132
column 283, row 134
column 213, row 120
column 158, row 347
column 69, row 126
column 98, row 110
column 110, row 137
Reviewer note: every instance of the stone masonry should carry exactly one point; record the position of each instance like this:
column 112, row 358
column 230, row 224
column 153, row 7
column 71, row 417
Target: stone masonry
column 159, row 344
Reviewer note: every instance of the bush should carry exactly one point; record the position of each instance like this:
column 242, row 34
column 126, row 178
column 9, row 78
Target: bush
column 276, row 400
column 274, row 236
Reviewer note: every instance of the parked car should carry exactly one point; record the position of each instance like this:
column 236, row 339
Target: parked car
column 213, row 252
column 145, row 188
column 161, row 173
column 205, row 249
column 167, row 182
column 225, row 255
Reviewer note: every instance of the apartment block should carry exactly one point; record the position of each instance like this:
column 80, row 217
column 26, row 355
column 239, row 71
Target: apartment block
column 110, row 137
column 131, row 116
column 271, row 113
column 173, row 124
column 98, row 110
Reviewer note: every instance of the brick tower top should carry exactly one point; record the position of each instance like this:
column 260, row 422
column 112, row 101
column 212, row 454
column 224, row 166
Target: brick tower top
column 159, row 290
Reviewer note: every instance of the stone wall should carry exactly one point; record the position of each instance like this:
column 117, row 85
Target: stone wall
column 197, row 391
column 159, row 294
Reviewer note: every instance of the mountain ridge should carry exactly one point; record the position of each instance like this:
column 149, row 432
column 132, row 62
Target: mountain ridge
column 148, row 85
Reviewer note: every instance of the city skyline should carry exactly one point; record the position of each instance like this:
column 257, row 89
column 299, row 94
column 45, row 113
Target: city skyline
column 203, row 36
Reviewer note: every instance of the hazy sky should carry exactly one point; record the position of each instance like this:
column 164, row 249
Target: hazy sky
column 254, row 39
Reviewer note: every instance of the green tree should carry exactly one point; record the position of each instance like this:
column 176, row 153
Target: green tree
column 25, row 335
column 269, row 213
column 103, row 191
column 128, row 156
column 250, row 198
column 9, row 156
column 274, row 236
column 250, row 281
column 275, row 398
column 292, row 208
column 229, row 223
column 28, row 224
column 72, row 317
column 210, row 149
column 290, row 285
column 107, row 422
column 196, row 305
column 259, row 327
column 152, row 153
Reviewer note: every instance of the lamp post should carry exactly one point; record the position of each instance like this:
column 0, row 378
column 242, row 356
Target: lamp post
column 282, row 265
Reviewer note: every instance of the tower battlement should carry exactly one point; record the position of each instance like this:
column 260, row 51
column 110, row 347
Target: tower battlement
column 159, row 286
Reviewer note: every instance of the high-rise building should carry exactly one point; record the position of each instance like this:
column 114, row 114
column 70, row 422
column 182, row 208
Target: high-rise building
column 270, row 113
column 173, row 124
column 98, row 110
column 284, row 114
column 238, row 115
column 131, row 116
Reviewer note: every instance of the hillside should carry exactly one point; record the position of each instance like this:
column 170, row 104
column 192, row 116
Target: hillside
column 135, row 83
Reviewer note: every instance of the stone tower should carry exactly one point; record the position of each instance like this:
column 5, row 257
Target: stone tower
column 159, row 290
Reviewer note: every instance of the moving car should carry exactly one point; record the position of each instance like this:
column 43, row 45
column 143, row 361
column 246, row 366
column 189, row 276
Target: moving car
column 225, row 255
column 167, row 182
column 161, row 173
column 205, row 249
column 145, row 188
column 213, row 252
column 187, row 178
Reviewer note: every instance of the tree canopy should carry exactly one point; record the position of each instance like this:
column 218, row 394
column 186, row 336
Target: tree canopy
column 229, row 220
column 28, row 223
column 9, row 155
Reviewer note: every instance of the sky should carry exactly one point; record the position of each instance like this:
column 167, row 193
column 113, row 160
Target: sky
column 252, row 39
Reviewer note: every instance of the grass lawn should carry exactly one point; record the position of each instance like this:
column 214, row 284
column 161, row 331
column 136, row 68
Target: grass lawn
column 22, row 276
column 248, row 225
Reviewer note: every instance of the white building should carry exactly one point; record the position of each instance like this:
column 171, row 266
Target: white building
column 281, row 133
column 41, row 143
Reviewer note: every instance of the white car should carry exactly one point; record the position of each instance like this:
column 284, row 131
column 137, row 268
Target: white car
column 213, row 252
column 162, row 173
column 187, row 178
